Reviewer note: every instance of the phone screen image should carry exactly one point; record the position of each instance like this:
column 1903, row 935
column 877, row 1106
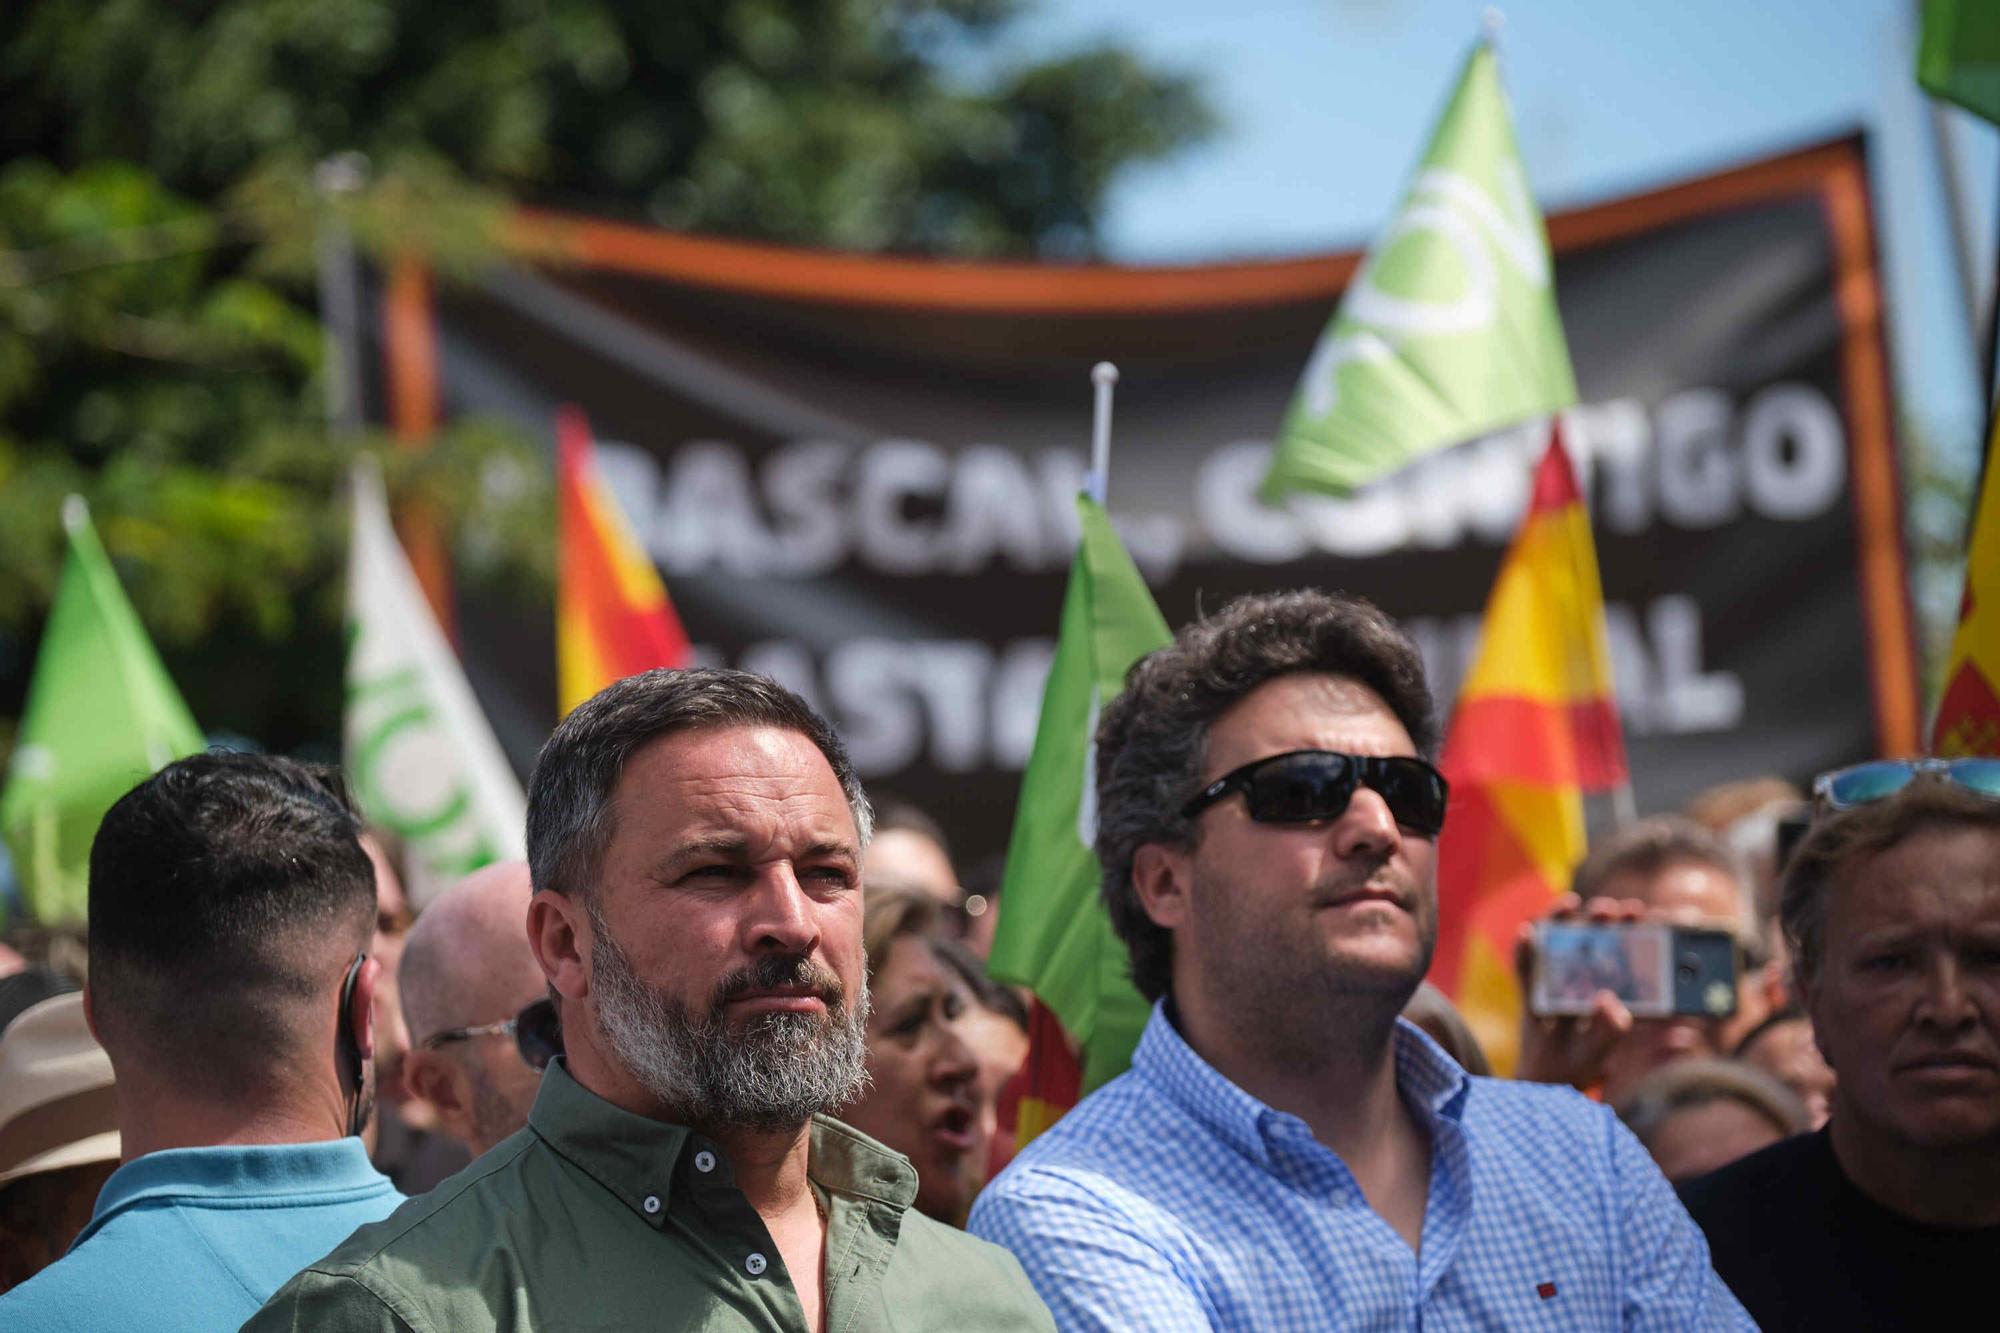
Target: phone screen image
column 1655, row 969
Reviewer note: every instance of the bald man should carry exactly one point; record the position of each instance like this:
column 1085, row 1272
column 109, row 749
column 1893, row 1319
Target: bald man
column 467, row 975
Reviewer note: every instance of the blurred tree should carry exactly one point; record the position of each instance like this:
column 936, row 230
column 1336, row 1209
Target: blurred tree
column 158, row 349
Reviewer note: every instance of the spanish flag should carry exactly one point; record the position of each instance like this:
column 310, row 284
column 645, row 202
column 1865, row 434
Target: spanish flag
column 613, row 618
column 1968, row 719
column 1535, row 727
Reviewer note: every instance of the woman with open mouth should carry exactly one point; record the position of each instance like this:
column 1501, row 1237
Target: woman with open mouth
column 925, row 1098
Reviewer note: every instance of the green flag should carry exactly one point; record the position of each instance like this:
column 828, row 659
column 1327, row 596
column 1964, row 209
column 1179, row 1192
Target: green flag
column 1449, row 330
column 1959, row 59
column 101, row 715
column 1054, row 936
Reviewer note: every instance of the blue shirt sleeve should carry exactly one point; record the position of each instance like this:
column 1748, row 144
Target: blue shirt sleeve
column 1091, row 1264
column 1670, row 1284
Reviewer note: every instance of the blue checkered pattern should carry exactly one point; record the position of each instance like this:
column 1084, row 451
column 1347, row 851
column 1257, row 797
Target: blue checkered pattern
column 1172, row 1199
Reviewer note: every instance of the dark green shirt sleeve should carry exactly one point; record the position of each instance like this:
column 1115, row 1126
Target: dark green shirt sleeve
column 316, row 1302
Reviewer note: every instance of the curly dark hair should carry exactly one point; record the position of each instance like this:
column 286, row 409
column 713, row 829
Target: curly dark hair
column 1152, row 740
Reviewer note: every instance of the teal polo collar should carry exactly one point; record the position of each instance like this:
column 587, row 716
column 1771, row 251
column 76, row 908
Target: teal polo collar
column 239, row 1176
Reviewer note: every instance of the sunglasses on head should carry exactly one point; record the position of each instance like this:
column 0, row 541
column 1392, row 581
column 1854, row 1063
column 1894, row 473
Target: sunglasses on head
column 1858, row 784
column 536, row 1030
column 1307, row 785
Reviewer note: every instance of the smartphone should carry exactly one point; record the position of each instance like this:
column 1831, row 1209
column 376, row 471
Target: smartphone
column 1658, row 970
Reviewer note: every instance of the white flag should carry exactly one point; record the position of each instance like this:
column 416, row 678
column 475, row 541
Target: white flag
column 420, row 755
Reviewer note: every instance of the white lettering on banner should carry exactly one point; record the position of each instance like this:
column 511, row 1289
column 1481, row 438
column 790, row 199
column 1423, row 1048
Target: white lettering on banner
column 913, row 508
column 957, row 705
column 1663, row 685
column 1617, row 437
column 963, row 705
column 1695, row 463
column 1698, row 478
column 892, row 473
column 806, row 533
column 1794, row 453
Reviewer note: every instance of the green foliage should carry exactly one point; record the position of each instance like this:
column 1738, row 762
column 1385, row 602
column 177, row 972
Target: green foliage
column 849, row 123
column 185, row 402
column 159, row 221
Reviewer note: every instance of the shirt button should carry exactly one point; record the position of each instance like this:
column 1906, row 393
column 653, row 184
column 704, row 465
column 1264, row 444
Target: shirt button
column 755, row 1265
column 704, row 1162
column 652, row 1204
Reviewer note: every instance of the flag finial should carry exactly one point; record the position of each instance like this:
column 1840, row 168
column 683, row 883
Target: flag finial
column 1103, row 376
column 75, row 513
column 1492, row 21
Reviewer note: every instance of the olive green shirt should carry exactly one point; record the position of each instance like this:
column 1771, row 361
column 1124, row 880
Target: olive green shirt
column 595, row 1218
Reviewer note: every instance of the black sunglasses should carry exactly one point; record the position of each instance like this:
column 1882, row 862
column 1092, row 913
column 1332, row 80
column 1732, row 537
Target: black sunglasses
column 1307, row 785
column 536, row 1030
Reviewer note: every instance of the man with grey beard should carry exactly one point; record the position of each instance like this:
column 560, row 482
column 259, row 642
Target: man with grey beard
column 695, row 842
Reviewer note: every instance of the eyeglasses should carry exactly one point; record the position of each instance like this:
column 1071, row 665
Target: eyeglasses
column 1845, row 788
column 1307, row 785
column 536, row 1030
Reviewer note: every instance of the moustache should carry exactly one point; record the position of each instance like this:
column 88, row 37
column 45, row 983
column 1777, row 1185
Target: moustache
column 774, row 970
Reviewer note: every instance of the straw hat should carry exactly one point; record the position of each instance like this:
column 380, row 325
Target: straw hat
column 56, row 1103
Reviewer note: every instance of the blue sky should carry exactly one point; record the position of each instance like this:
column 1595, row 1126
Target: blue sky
column 1326, row 104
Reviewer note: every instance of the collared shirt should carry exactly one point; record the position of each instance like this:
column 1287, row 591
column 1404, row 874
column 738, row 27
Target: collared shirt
column 196, row 1239
column 1172, row 1199
column 595, row 1218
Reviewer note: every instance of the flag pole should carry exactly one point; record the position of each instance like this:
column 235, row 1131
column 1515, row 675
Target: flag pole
column 1103, row 376
column 339, row 291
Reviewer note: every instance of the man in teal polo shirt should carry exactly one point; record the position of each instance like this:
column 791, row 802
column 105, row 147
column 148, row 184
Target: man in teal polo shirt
column 230, row 908
column 695, row 841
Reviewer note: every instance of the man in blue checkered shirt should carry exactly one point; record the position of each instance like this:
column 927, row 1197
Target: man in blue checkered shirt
column 1285, row 1152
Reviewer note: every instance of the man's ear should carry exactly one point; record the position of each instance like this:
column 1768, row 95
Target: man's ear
column 558, row 936
column 437, row 1079
column 361, row 1007
column 1161, row 876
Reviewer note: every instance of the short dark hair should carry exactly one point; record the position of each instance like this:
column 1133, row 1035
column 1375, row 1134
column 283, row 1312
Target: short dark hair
column 1153, row 739
column 1645, row 847
column 228, row 895
column 1838, row 842
column 569, row 795
column 1648, row 846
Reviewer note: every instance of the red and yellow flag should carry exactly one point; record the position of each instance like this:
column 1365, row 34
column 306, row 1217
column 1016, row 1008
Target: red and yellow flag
column 613, row 618
column 1535, row 727
column 1968, row 718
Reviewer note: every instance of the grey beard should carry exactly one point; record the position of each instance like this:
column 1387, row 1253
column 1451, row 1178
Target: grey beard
column 774, row 1073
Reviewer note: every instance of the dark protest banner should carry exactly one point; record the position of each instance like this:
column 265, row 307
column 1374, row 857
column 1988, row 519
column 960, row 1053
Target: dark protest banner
column 856, row 473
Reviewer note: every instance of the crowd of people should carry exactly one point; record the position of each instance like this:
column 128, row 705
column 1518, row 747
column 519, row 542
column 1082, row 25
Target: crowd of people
column 723, row 1053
